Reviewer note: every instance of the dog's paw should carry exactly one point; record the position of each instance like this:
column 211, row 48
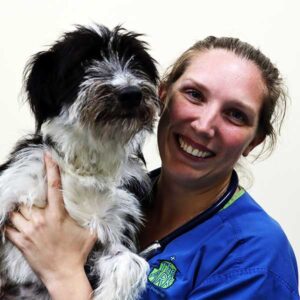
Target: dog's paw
column 123, row 276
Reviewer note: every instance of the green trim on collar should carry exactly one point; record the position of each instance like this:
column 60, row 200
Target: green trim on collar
column 240, row 191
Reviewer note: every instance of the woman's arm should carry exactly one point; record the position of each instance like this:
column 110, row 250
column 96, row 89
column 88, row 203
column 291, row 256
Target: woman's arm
column 53, row 244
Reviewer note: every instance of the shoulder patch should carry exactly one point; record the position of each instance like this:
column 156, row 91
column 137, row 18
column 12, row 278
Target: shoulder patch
column 164, row 276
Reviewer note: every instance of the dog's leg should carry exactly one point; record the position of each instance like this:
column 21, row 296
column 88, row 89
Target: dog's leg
column 23, row 182
column 24, row 292
column 123, row 275
column 14, row 265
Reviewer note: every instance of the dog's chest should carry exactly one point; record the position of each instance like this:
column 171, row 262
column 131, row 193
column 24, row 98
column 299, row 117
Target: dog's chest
column 89, row 198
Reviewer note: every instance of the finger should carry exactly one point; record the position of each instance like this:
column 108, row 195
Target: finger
column 14, row 236
column 29, row 213
column 25, row 211
column 55, row 198
column 18, row 221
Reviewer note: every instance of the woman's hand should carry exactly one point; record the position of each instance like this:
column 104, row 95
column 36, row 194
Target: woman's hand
column 53, row 244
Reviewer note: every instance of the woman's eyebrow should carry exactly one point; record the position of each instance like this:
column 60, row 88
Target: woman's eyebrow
column 196, row 83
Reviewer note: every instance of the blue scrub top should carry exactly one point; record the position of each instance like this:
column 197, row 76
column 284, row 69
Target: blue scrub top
column 239, row 253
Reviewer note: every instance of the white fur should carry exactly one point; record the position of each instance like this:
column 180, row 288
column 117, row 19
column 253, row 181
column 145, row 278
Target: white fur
column 125, row 280
column 92, row 172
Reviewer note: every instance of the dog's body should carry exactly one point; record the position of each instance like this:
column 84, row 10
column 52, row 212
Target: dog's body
column 94, row 98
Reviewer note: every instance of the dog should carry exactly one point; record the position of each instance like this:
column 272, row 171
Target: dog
column 94, row 97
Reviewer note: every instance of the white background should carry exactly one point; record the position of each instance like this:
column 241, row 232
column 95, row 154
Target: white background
column 170, row 27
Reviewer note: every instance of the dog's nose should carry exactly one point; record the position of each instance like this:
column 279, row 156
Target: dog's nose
column 130, row 96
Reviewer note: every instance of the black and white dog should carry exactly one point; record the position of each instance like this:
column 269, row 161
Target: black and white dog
column 94, row 98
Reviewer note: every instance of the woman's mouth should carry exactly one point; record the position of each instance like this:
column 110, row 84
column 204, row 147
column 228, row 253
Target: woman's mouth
column 192, row 150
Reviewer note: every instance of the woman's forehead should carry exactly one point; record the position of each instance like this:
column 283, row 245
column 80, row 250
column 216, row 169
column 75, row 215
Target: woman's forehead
column 222, row 60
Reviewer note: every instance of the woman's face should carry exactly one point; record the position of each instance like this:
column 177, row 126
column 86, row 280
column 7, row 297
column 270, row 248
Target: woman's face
column 211, row 118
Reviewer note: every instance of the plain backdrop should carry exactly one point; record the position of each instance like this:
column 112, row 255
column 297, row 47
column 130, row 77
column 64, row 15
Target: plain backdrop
column 170, row 26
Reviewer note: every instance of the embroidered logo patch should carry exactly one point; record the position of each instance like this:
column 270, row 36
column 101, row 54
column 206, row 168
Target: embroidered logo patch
column 164, row 276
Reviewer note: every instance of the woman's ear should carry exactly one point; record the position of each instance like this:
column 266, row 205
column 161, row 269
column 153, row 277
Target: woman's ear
column 162, row 93
column 255, row 142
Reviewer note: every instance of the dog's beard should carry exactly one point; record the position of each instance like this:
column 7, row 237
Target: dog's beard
column 98, row 109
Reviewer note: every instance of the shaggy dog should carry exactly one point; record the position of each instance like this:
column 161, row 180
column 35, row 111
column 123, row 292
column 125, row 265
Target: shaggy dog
column 94, row 98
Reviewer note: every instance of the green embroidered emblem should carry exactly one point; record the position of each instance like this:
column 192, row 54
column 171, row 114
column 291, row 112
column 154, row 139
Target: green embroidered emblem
column 164, row 275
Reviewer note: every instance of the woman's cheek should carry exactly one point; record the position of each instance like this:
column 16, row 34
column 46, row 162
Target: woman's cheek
column 237, row 140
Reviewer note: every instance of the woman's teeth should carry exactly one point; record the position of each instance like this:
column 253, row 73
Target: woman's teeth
column 189, row 149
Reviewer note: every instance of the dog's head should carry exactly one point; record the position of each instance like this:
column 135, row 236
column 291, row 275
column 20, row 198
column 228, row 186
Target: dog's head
column 96, row 78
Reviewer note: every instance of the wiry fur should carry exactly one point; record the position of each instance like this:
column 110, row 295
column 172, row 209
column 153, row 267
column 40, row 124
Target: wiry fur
column 93, row 95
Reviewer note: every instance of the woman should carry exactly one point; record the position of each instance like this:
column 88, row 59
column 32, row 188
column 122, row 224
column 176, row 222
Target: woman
column 221, row 99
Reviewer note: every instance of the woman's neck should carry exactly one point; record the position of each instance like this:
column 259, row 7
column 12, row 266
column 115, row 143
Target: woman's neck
column 178, row 201
column 175, row 203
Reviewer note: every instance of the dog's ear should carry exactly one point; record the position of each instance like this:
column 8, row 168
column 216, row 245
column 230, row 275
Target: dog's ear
column 39, row 80
column 53, row 77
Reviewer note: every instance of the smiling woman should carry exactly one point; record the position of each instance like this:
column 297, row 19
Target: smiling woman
column 222, row 98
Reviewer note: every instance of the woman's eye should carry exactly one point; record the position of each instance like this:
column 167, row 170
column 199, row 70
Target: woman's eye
column 237, row 117
column 194, row 94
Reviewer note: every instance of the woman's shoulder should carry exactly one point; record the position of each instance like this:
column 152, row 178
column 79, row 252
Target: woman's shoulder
column 262, row 245
column 250, row 221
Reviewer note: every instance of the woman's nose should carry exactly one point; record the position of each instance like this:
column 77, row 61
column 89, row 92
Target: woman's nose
column 206, row 123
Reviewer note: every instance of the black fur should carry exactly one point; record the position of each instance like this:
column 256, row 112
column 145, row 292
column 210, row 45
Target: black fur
column 31, row 140
column 54, row 76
